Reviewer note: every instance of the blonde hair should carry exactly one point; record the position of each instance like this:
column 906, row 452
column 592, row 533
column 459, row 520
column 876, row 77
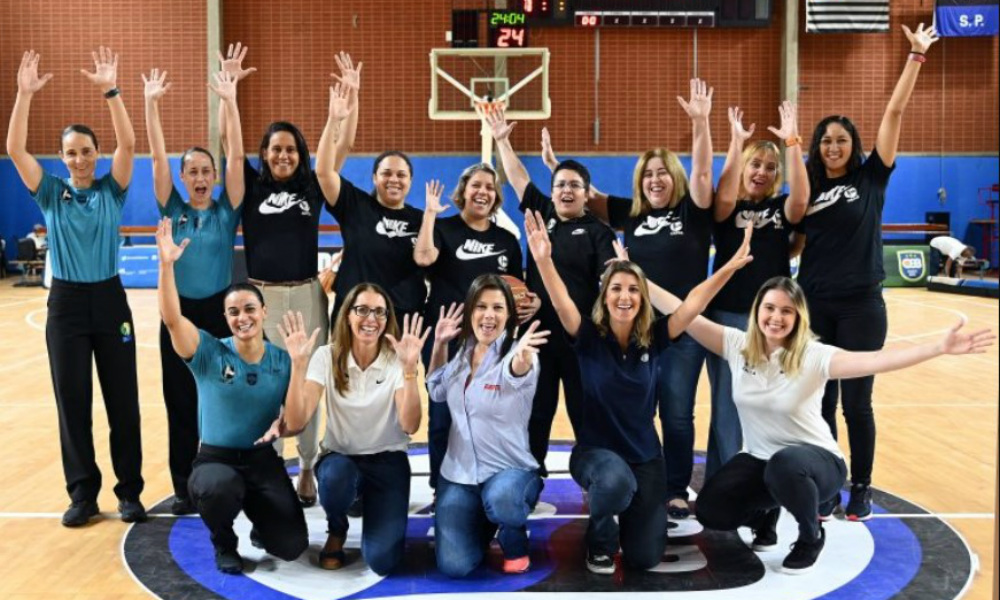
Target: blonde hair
column 748, row 153
column 755, row 349
column 640, row 203
column 341, row 335
column 643, row 325
column 458, row 195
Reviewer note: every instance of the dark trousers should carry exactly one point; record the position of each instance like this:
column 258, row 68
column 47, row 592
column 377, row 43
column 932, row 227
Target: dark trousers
column 557, row 362
column 225, row 481
column 180, row 394
column 637, row 493
column 797, row 478
column 855, row 323
column 384, row 479
column 91, row 322
column 438, row 414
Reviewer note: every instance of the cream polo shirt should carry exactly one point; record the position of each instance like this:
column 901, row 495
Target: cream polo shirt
column 362, row 421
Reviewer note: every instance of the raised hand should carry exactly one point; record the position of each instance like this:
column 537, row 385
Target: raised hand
column 350, row 75
column 293, row 332
column 410, row 342
column 736, row 128
column 28, row 81
column 621, row 253
column 528, row 307
column 527, row 346
column 548, row 154
column 434, row 189
column 921, row 39
column 742, row 256
column 789, row 121
column 340, row 102
column 700, row 104
column 496, row 120
column 224, row 86
column 105, row 75
column 168, row 251
column 232, row 62
column 154, row 87
column 538, row 236
column 449, row 324
column 955, row 342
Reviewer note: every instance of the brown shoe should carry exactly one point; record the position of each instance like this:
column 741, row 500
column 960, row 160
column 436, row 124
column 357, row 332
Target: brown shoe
column 306, row 488
column 332, row 556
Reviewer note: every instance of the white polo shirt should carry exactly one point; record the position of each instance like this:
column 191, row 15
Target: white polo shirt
column 948, row 246
column 362, row 421
column 777, row 411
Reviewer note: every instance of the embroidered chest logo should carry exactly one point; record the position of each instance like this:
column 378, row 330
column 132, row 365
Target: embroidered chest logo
column 551, row 225
column 760, row 219
column 653, row 225
column 393, row 228
column 849, row 193
column 502, row 263
column 252, row 378
column 228, row 373
column 473, row 249
column 280, row 202
column 491, row 387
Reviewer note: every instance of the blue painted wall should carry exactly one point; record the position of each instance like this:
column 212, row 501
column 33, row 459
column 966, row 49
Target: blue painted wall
column 913, row 190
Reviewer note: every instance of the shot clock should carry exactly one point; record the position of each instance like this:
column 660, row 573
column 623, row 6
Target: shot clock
column 508, row 29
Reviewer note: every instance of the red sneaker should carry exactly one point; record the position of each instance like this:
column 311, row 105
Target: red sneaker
column 514, row 566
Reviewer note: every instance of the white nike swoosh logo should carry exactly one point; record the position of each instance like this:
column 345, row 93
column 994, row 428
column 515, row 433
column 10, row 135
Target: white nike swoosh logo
column 815, row 208
column 643, row 230
column 464, row 254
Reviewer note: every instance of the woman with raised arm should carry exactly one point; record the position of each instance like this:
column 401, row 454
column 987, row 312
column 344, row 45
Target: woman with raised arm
column 667, row 227
column 89, row 320
column 581, row 246
column 281, row 232
column 455, row 250
column 748, row 194
column 489, row 479
column 366, row 379
column 790, row 459
column 205, row 272
column 841, row 270
column 243, row 382
column 617, row 458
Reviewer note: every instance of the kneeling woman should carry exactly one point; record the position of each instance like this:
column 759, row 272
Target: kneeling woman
column 790, row 458
column 617, row 458
column 489, row 478
column 243, row 381
column 369, row 376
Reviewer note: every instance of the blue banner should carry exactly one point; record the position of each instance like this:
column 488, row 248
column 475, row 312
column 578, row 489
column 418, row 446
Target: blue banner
column 967, row 18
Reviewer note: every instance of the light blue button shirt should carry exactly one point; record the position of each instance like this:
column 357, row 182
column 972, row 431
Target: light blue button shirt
column 489, row 416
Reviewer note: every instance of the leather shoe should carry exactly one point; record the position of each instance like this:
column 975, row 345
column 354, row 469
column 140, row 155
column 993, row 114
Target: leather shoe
column 132, row 511
column 79, row 513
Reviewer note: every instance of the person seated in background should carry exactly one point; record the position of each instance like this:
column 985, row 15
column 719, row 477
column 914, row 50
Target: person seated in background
column 957, row 255
column 37, row 236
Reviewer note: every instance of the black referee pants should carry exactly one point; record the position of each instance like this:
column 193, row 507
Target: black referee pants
column 557, row 362
column 225, row 481
column 87, row 323
column 180, row 394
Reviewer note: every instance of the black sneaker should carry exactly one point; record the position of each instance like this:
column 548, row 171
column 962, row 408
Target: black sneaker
column 859, row 508
column 228, row 561
column 79, row 513
column 803, row 556
column 255, row 540
column 182, row 505
column 829, row 507
column 602, row 564
column 765, row 533
column 132, row 511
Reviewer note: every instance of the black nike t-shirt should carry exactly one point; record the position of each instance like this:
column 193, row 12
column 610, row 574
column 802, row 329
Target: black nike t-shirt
column 670, row 244
column 378, row 248
column 843, row 229
column 281, row 227
column 769, row 247
column 466, row 253
column 580, row 247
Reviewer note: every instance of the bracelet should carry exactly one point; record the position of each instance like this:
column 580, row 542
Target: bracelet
column 793, row 141
column 409, row 376
column 918, row 57
column 108, row 95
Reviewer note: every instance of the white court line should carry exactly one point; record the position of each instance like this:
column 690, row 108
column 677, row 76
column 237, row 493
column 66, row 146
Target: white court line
column 20, row 363
column 966, row 300
column 961, row 314
column 935, row 516
column 30, row 320
column 106, row 516
column 9, row 304
column 912, row 405
column 44, row 515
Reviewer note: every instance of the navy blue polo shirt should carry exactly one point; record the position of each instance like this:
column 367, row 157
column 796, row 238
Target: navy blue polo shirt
column 619, row 392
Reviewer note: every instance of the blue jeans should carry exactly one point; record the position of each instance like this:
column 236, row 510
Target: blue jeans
column 725, row 438
column 384, row 479
column 634, row 492
column 467, row 516
column 677, row 383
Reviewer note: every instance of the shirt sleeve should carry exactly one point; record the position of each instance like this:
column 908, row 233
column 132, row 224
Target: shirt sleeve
column 818, row 358
column 618, row 211
column 437, row 389
column 49, row 189
column 534, row 199
column 110, row 185
column 174, row 205
column 732, row 343
column 876, row 171
column 661, row 333
column 528, row 379
column 208, row 348
column 604, row 239
column 585, row 335
column 346, row 201
column 319, row 366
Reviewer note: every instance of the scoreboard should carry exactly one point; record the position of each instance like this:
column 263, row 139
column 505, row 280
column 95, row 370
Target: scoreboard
column 646, row 13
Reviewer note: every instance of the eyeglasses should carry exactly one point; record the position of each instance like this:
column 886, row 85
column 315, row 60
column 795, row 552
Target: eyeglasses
column 365, row 311
column 576, row 186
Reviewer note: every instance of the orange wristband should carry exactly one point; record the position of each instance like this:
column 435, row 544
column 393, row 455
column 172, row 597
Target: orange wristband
column 793, row 141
